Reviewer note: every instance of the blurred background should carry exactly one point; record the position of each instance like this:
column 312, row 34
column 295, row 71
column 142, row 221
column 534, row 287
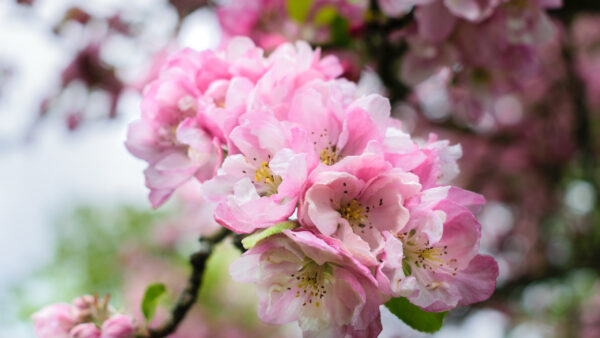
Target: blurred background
column 523, row 102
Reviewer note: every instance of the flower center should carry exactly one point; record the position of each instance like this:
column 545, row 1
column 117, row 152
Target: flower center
column 197, row 156
column 423, row 255
column 353, row 212
column 267, row 181
column 310, row 283
column 329, row 155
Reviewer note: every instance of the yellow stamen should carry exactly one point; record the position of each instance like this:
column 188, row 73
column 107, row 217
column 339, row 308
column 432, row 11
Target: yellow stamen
column 264, row 174
column 432, row 254
column 267, row 182
column 329, row 156
column 353, row 212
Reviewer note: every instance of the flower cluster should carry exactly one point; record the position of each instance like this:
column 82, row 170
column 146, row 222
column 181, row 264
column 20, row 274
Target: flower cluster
column 481, row 56
column 368, row 212
column 86, row 317
column 272, row 22
column 476, row 59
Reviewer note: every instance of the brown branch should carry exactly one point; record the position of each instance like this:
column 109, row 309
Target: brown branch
column 188, row 296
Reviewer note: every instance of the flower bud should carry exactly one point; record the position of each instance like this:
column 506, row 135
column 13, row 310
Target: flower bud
column 85, row 330
column 55, row 320
column 119, row 326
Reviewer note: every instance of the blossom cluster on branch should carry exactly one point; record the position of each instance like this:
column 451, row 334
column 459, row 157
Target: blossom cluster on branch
column 86, row 317
column 281, row 139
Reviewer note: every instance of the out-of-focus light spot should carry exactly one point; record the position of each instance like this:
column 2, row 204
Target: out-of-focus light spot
column 482, row 323
column 457, row 67
column 580, row 197
column 531, row 330
column 200, row 30
column 434, row 97
column 485, row 123
column 538, row 298
column 558, row 251
column 508, row 110
column 369, row 83
column 407, row 114
column 496, row 220
column 504, row 271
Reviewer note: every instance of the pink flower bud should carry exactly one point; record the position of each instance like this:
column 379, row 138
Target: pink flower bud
column 85, row 330
column 55, row 320
column 119, row 326
column 84, row 302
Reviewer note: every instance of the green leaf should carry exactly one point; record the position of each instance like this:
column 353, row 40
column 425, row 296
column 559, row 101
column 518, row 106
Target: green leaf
column 298, row 9
column 325, row 15
column 340, row 32
column 250, row 241
column 151, row 297
column 414, row 316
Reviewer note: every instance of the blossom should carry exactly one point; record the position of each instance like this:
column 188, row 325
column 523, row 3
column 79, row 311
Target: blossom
column 301, row 276
column 54, row 320
column 469, row 67
column 269, row 23
column 187, row 113
column 356, row 200
column 118, row 326
column 291, row 66
column 376, row 217
column 80, row 319
column 261, row 182
column 336, row 129
column 85, row 330
column 472, row 10
column 433, row 260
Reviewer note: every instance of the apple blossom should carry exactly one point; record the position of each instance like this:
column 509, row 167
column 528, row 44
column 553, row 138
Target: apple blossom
column 301, row 276
column 372, row 213
column 187, row 113
column 80, row 319
column 356, row 201
column 433, row 260
column 55, row 320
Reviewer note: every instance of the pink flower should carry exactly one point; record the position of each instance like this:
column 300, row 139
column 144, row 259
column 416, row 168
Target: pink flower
column 268, row 24
column 440, row 165
column 472, row 10
column 55, row 321
column 78, row 320
column 188, row 112
column 290, row 68
column 118, row 326
column 433, row 260
column 397, row 8
column 271, row 159
column 85, row 330
column 260, row 183
column 303, row 277
column 356, row 200
column 337, row 129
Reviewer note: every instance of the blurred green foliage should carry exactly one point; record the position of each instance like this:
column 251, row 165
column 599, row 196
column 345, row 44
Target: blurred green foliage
column 88, row 241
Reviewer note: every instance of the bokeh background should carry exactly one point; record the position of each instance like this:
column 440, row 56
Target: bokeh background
column 74, row 216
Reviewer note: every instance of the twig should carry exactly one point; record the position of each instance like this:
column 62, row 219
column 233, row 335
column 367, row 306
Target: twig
column 188, row 296
column 387, row 53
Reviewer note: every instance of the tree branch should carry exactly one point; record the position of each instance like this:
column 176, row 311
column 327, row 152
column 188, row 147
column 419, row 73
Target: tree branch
column 188, row 296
